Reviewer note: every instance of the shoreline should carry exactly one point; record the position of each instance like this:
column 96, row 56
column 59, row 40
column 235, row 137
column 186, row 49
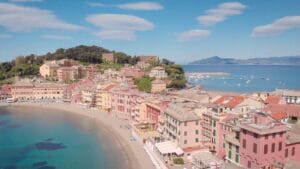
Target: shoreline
column 134, row 154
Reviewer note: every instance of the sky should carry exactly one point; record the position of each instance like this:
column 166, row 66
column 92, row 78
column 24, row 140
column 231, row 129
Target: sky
column 179, row 30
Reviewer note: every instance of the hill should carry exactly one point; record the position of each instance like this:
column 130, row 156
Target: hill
column 24, row 66
column 215, row 60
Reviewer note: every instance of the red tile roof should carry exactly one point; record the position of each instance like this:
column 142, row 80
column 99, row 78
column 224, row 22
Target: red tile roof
column 279, row 115
column 289, row 110
column 272, row 100
column 229, row 101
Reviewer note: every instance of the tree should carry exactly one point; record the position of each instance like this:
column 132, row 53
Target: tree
column 144, row 83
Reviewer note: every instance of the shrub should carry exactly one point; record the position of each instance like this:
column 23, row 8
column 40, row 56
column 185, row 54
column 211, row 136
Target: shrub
column 178, row 160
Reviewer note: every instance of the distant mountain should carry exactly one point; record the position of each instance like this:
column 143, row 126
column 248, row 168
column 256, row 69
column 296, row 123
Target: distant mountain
column 216, row 60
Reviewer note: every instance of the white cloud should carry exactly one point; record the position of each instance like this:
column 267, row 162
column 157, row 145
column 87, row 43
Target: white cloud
column 193, row 35
column 220, row 13
column 57, row 37
column 119, row 27
column 95, row 4
column 5, row 36
column 277, row 27
column 141, row 6
column 17, row 18
column 26, row 0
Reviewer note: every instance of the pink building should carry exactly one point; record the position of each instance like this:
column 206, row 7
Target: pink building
column 123, row 101
column 182, row 125
column 5, row 92
column 132, row 72
column 262, row 142
column 228, row 134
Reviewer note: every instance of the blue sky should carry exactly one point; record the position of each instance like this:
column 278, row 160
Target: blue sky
column 179, row 30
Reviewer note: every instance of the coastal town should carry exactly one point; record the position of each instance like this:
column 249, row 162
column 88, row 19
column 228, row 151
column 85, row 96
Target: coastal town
column 186, row 128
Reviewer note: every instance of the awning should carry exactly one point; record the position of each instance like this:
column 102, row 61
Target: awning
column 168, row 147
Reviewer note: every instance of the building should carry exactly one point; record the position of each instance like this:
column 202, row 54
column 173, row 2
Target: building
column 142, row 65
column 206, row 160
column 5, row 92
column 88, row 97
column 144, row 131
column 67, row 74
column 123, row 101
column 147, row 59
column 132, row 72
column 228, row 102
column 158, row 86
column 182, row 125
column 29, row 91
column 290, row 96
column 108, row 57
column 287, row 112
column 230, row 139
column 158, row 72
column 262, row 142
column 103, row 97
column 49, row 69
column 22, row 92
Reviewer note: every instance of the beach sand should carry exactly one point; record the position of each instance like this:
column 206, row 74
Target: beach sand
column 136, row 157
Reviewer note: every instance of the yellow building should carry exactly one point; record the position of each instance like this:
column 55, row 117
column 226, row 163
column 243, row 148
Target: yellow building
column 103, row 97
column 49, row 69
column 46, row 91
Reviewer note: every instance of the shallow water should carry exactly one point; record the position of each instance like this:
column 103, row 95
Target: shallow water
column 48, row 139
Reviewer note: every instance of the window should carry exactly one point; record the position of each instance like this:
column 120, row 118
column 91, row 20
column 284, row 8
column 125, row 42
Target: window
column 293, row 151
column 266, row 148
column 273, row 135
column 197, row 132
column 185, row 141
column 254, row 148
column 281, row 134
column 224, row 145
column 244, row 132
column 214, row 132
column 244, row 143
column 255, row 135
column 273, row 147
column 230, row 146
column 237, row 158
column 280, row 146
column 215, row 124
column 249, row 164
column 196, row 140
column 237, row 149
column 229, row 154
column 286, row 152
column 185, row 133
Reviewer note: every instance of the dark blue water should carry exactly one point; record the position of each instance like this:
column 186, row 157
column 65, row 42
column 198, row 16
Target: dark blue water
column 248, row 78
column 45, row 139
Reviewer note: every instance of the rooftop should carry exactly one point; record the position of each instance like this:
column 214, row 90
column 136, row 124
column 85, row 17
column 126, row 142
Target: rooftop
column 183, row 111
column 229, row 101
column 289, row 109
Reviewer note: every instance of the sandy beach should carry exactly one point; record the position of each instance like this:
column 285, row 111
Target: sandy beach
column 136, row 157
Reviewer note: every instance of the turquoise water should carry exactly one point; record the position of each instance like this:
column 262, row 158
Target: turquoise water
column 45, row 139
column 248, row 78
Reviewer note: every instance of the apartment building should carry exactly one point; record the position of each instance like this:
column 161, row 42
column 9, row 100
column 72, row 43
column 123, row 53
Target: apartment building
column 182, row 125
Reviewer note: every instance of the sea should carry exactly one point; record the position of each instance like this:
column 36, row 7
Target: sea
column 48, row 139
column 247, row 78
